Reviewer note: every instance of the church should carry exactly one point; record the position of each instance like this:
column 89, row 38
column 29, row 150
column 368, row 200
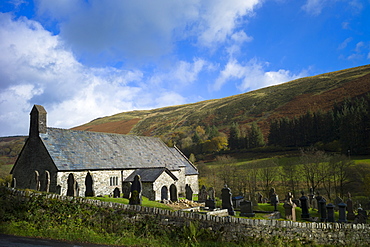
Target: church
column 84, row 163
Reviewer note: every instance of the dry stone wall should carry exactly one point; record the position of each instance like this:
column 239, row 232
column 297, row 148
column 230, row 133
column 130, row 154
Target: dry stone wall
column 237, row 228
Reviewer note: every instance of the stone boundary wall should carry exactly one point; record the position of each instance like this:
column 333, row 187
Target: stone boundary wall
column 231, row 228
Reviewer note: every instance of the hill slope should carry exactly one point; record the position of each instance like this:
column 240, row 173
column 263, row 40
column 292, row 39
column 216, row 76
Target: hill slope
column 288, row 99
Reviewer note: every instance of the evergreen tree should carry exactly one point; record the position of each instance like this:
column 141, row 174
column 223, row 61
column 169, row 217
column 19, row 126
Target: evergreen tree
column 255, row 137
column 234, row 137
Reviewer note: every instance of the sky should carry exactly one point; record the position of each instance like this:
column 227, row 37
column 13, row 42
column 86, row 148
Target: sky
column 84, row 59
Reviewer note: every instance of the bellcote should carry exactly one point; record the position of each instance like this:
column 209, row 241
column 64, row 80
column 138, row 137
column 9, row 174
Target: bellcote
column 37, row 120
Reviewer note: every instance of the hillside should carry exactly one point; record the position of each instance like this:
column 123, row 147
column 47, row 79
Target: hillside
column 261, row 106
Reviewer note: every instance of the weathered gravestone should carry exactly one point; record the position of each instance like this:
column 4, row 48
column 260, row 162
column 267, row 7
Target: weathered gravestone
column 136, row 187
column 202, row 196
column 350, row 214
column 342, row 212
column 211, row 193
column 361, row 216
column 336, row 202
column 116, row 193
column 304, row 206
column 322, row 205
column 259, row 197
column 330, row 209
column 226, row 200
column 211, row 204
column 126, row 190
column 272, row 193
column 246, row 209
column 289, row 207
column 173, row 193
column 318, row 197
column 311, row 197
column 188, row 192
column 274, row 201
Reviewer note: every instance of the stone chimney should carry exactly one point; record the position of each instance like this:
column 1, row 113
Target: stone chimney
column 38, row 121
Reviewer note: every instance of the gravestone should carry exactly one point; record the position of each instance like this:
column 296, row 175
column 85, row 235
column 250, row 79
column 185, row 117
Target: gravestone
column 274, row 201
column 173, row 193
column 202, row 196
column 304, row 206
column 289, row 210
column 246, row 209
column 116, row 193
column 311, row 197
column 188, row 192
column 361, row 216
column 350, row 214
column 136, row 187
column 272, row 193
column 211, row 193
column 330, row 209
column 210, row 204
column 336, row 202
column 47, row 181
column 226, row 200
column 126, row 190
column 342, row 212
column 318, row 197
column 322, row 206
column 259, row 197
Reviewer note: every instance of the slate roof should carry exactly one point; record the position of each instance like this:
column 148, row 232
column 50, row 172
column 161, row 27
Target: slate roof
column 189, row 167
column 85, row 150
column 149, row 175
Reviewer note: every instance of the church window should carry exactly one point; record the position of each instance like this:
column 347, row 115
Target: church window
column 113, row 181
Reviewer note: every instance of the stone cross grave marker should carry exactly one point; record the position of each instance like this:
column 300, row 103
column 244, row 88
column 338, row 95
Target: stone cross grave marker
column 136, row 187
column 226, row 200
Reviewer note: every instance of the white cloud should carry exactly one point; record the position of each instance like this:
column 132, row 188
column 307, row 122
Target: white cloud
column 142, row 30
column 314, row 7
column 253, row 75
column 345, row 43
column 36, row 68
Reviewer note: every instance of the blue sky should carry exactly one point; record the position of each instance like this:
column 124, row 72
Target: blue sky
column 83, row 59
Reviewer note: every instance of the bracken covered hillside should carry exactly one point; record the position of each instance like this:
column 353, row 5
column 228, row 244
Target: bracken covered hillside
column 289, row 99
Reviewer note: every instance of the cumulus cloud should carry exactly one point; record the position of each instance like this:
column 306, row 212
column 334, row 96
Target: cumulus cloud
column 144, row 29
column 253, row 75
column 36, row 68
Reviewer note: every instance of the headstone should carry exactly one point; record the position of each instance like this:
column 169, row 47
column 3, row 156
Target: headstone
column 47, row 181
column 211, row 193
column 336, row 202
column 202, row 196
column 272, row 193
column 210, row 204
column 275, row 201
column 226, row 200
column 126, row 190
column 350, row 214
column 188, row 192
column 318, row 197
column 304, row 206
column 322, row 206
column 311, row 196
column 116, row 193
column 342, row 212
column 259, row 197
column 173, row 193
column 246, row 209
column 330, row 209
column 289, row 210
column 135, row 198
column 361, row 216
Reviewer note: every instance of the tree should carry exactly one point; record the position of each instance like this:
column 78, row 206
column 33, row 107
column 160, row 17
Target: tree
column 234, row 137
column 255, row 137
